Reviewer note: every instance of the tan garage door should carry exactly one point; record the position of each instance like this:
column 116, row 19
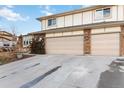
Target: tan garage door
column 65, row 45
column 105, row 44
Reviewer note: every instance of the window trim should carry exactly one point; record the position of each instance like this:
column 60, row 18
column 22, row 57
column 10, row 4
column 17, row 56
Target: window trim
column 110, row 12
column 95, row 14
column 103, row 17
column 52, row 23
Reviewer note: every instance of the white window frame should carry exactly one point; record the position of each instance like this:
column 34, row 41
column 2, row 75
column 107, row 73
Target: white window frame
column 52, row 24
column 102, row 15
column 96, row 15
column 109, row 13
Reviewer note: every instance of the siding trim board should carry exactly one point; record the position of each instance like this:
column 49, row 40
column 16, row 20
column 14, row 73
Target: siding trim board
column 89, row 26
column 104, row 33
column 64, row 36
column 74, row 11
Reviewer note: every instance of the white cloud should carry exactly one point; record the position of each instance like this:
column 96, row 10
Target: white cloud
column 10, row 6
column 83, row 6
column 10, row 15
column 46, row 10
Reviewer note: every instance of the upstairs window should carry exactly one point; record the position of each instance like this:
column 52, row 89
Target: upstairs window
column 106, row 12
column 51, row 22
column 24, row 42
column 102, row 13
column 99, row 14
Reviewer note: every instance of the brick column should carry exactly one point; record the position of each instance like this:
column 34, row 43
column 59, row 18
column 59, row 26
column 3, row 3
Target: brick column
column 87, row 41
column 122, row 41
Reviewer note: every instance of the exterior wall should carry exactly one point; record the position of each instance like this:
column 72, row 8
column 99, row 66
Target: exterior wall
column 106, row 30
column 87, row 17
column 60, row 22
column 78, row 32
column 102, row 41
column 6, row 38
column 67, row 33
column 43, row 24
column 50, row 35
column 60, row 34
column 77, row 19
column 11, row 43
column 57, row 34
column 120, row 12
column 68, row 20
column 114, row 14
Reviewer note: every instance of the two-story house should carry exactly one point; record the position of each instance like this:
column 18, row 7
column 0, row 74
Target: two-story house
column 7, row 39
column 94, row 30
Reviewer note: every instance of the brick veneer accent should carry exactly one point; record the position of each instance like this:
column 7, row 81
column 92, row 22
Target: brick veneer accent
column 87, row 41
column 122, row 41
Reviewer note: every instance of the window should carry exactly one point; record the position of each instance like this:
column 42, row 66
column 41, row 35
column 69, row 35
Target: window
column 24, row 42
column 106, row 12
column 102, row 13
column 6, row 45
column 27, row 43
column 99, row 14
column 51, row 22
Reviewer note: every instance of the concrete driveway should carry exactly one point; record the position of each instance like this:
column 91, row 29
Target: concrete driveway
column 52, row 71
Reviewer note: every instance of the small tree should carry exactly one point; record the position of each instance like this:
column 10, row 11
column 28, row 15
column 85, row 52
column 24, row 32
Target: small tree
column 13, row 30
column 38, row 45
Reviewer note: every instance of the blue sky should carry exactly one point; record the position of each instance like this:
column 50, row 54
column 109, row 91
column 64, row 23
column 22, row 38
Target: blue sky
column 23, row 17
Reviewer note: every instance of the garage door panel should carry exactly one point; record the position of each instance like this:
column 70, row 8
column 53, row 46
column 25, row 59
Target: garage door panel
column 65, row 45
column 105, row 44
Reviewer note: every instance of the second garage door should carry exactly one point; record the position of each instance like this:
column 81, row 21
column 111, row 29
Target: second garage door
column 105, row 44
column 65, row 45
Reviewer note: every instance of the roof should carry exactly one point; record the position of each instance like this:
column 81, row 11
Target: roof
column 5, row 33
column 81, row 27
column 73, row 12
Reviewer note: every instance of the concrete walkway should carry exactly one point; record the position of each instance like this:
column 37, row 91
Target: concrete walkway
column 52, row 71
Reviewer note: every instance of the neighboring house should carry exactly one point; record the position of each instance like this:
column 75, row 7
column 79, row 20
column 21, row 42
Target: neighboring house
column 26, row 40
column 7, row 39
column 95, row 30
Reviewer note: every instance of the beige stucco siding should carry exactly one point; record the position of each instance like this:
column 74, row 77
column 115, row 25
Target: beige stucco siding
column 120, row 12
column 68, row 20
column 43, row 24
column 106, row 30
column 77, row 32
column 50, row 35
column 96, row 31
column 114, row 14
column 60, row 22
column 57, row 34
column 87, row 17
column 67, row 33
column 77, row 19
column 113, row 29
